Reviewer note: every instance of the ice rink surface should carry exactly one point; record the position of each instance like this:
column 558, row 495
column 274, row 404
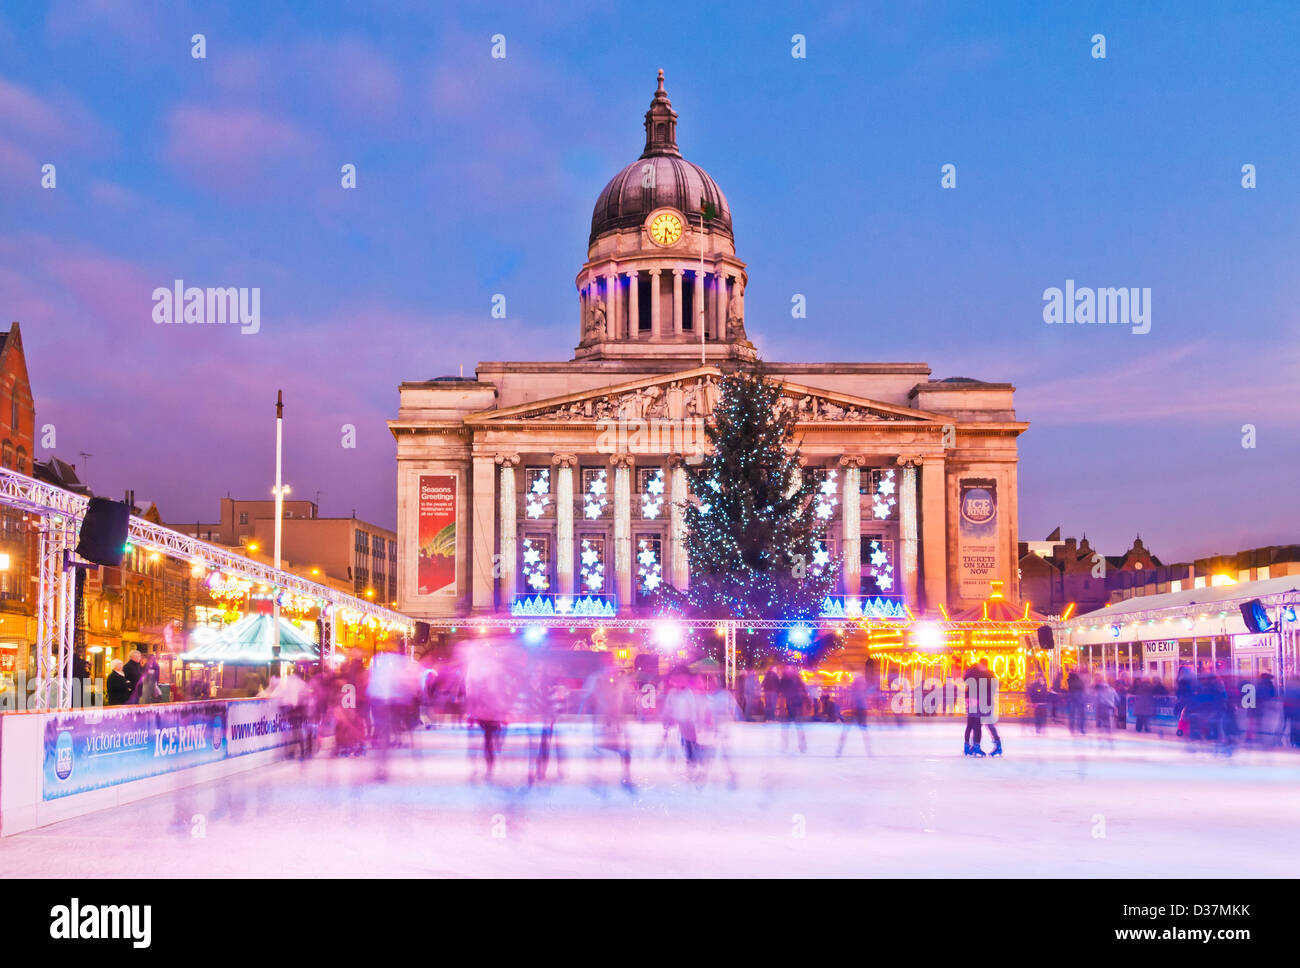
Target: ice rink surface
column 1053, row 806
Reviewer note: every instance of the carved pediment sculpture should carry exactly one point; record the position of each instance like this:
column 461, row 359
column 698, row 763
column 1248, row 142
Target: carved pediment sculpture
column 697, row 397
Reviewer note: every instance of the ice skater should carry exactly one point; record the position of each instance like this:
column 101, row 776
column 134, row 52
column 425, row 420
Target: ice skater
column 981, row 709
column 858, row 705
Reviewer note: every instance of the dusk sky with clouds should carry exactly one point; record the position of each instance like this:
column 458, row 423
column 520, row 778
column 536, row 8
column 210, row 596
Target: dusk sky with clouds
column 477, row 176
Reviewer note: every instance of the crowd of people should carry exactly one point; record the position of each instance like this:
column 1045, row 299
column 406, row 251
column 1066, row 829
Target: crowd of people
column 1203, row 705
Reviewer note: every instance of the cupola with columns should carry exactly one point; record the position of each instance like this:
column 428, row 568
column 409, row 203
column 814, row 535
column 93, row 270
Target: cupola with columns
column 639, row 292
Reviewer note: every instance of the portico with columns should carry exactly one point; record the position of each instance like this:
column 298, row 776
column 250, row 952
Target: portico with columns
column 570, row 479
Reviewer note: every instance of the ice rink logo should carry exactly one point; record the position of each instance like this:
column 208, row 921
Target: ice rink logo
column 218, row 732
column 63, row 755
column 977, row 505
column 241, row 307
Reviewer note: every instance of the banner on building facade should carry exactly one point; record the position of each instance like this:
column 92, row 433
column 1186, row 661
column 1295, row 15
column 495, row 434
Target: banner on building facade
column 436, row 571
column 978, row 548
column 91, row 749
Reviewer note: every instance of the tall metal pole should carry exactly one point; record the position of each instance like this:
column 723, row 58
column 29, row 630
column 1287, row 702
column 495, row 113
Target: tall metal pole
column 279, row 520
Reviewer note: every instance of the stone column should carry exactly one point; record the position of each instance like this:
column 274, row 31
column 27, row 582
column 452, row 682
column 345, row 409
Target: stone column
column 509, row 529
column 719, row 306
column 623, row 528
column 677, row 302
column 907, row 530
column 697, row 310
column 484, row 518
column 851, row 523
column 564, row 521
column 633, row 307
column 934, row 532
column 655, row 294
column 678, row 563
column 611, row 311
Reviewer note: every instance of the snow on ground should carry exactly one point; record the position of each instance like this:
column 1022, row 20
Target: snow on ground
column 1054, row 806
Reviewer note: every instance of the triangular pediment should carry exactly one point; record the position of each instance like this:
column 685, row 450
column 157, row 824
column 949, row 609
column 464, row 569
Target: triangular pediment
column 693, row 393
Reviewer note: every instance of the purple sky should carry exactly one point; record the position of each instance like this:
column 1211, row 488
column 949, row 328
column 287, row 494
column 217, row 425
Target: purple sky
column 477, row 176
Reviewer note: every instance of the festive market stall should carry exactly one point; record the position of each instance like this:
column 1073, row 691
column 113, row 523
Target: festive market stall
column 226, row 656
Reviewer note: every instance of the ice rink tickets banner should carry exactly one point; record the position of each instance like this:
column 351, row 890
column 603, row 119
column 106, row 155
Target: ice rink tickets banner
column 977, row 537
column 436, row 573
column 92, row 749
column 254, row 725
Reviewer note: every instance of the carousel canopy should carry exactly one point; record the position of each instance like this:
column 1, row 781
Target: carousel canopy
column 248, row 642
column 998, row 610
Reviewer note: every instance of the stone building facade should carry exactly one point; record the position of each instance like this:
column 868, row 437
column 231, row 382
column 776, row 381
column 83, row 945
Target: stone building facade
column 557, row 486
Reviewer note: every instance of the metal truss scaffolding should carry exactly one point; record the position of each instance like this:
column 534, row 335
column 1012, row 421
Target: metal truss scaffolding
column 60, row 513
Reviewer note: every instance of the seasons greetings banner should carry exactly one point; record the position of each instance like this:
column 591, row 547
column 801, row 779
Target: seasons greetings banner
column 437, row 535
column 977, row 537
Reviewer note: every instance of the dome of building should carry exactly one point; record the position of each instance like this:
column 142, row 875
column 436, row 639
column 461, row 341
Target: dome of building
column 677, row 183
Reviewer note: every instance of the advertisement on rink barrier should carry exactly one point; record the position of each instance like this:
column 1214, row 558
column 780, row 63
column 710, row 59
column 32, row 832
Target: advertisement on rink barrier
column 254, row 725
column 95, row 748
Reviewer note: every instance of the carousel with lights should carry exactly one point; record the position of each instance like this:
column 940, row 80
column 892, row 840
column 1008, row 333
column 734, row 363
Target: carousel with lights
column 908, row 655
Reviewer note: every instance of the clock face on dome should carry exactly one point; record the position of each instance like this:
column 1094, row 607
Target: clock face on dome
column 665, row 228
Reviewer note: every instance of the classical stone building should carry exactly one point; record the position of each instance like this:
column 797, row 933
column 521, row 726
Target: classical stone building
column 540, row 486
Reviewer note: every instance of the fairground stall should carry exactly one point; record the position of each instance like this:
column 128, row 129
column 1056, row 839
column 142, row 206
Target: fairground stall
column 921, row 663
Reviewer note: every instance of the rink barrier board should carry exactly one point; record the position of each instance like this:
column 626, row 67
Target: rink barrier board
column 173, row 752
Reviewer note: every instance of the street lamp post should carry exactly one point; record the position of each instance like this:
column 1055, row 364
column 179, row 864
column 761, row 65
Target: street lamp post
column 280, row 491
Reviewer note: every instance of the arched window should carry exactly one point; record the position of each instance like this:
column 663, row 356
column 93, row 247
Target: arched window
column 7, row 454
column 22, row 461
column 13, row 408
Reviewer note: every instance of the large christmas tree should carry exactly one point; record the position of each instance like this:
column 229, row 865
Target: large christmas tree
column 752, row 536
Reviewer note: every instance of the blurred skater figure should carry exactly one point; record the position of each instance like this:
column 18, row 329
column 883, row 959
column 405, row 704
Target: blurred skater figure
column 671, row 706
column 718, row 711
column 1038, row 697
column 345, row 719
column 1076, row 687
column 288, row 696
column 681, row 713
column 1143, row 704
column 147, row 688
column 1291, row 708
column 315, row 704
column 541, row 694
column 795, row 696
column 771, row 693
column 608, row 697
column 1057, row 697
column 489, row 697
column 855, row 713
column 981, row 708
column 1266, row 718
column 390, row 689
column 1105, row 700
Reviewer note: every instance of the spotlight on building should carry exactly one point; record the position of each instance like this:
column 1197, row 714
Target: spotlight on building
column 534, row 634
